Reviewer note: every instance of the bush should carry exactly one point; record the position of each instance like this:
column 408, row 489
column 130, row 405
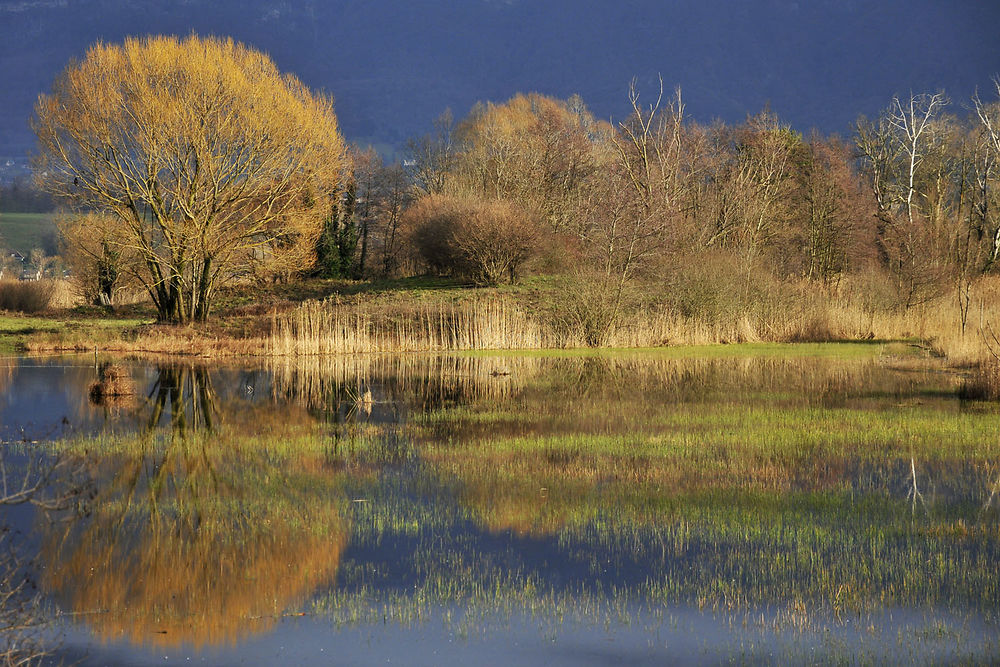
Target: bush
column 706, row 286
column 484, row 241
column 591, row 307
column 711, row 288
column 26, row 297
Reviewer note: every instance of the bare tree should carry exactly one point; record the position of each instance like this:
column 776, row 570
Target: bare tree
column 431, row 158
column 367, row 170
column 912, row 121
column 764, row 160
column 898, row 151
column 396, row 196
column 649, row 146
column 988, row 158
column 878, row 152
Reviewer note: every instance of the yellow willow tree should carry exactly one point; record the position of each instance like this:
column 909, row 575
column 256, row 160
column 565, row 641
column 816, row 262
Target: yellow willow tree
column 536, row 151
column 207, row 160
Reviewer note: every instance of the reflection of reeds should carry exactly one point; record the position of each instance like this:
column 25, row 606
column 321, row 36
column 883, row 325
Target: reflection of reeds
column 620, row 431
column 7, row 368
column 423, row 380
column 983, row 381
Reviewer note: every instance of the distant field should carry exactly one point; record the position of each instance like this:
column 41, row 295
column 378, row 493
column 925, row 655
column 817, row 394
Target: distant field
column 24, row 231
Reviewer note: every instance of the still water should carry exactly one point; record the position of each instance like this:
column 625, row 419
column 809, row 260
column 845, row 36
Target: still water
column 758, row 506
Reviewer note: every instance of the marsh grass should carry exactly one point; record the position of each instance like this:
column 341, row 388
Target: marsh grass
column 982, row 383
column 737, row 482
column 502, row 320
column 331, row 327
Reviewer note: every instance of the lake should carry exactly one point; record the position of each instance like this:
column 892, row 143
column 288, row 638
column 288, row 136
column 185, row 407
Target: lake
column 759, row 504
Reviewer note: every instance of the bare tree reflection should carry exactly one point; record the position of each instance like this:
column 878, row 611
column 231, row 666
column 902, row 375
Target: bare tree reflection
column 185, row 394
column 913, row 494
column 23, row 617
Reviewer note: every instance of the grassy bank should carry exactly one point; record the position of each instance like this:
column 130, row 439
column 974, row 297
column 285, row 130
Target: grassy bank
column 320, row 317
column 65, row 331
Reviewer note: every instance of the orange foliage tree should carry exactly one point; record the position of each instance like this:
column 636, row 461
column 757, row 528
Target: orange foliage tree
column 205, row 156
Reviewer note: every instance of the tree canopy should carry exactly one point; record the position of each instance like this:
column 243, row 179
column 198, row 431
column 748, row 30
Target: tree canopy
column 207, row 160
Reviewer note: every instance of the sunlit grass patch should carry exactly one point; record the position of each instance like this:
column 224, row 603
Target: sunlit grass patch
column 40, row 334
column 726, row 432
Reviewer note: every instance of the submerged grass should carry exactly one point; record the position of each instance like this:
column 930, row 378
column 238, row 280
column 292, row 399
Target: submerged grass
column 793, row 434
column 847, row 485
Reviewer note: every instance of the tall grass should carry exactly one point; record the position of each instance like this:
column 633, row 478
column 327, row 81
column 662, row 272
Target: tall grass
column 807, row 313
column 533, row 319
column 332, row 327
column 26, row 297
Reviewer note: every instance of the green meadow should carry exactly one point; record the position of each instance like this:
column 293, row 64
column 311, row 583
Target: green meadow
column 24, row 231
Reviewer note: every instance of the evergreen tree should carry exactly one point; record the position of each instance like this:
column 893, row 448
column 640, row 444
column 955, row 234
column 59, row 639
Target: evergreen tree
column 339, row 240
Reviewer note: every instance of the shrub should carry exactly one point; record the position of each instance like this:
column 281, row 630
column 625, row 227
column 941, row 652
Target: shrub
column 591, row 307
column 484, row 241
column 26, row 297
column 705, row 286
column 712, row 289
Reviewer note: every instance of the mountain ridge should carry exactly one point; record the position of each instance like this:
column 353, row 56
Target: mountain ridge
column 393, row 66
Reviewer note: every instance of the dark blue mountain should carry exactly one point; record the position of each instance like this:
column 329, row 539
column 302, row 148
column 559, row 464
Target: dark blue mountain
column 394, row 65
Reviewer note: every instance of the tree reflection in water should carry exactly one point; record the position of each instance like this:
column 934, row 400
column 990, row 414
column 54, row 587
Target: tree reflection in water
column 198, row 533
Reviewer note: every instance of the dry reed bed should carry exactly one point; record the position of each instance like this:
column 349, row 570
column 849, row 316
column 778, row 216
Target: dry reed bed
column 332, row 327
column 157, row 340
column 498, row 323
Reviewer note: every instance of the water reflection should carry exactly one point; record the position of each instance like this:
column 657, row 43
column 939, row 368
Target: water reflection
column 198, row 533
column 380, row 487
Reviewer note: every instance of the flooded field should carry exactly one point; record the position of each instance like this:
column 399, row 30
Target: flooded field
column 750, row 504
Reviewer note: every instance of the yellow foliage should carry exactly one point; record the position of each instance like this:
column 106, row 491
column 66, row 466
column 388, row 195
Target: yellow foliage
column 204, row 154
column 537, row 150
